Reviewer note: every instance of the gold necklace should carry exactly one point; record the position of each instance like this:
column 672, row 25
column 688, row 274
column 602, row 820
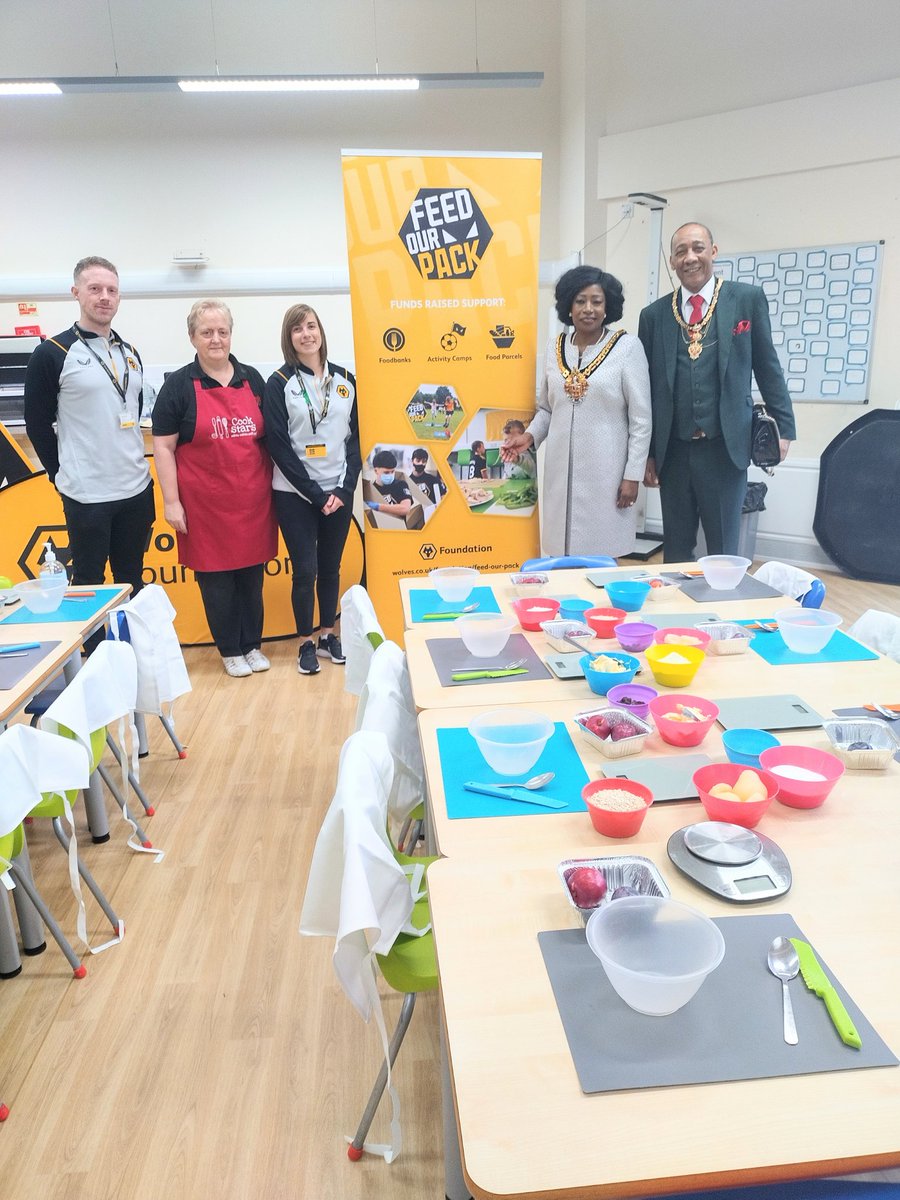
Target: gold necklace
column 695, row 333
column 575, row 379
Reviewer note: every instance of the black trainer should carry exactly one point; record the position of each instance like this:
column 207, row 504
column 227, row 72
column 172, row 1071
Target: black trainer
column 308, row 664
column 330, row 647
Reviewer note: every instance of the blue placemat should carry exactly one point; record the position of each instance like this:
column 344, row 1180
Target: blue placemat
column 841, row 648
column 461, row 762
column 426, row 600
column 69, row 610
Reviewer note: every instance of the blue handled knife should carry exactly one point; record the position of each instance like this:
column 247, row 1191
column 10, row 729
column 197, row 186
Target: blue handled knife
column 485, row 789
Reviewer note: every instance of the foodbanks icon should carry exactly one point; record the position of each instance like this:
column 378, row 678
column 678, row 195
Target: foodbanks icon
column 445, row 233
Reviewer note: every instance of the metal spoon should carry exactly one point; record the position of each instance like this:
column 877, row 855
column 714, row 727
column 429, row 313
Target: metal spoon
column 539, row 781
column 448, row 616
column 784, row 965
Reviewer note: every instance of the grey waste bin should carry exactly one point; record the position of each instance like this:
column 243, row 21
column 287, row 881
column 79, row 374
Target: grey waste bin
column 754, row 504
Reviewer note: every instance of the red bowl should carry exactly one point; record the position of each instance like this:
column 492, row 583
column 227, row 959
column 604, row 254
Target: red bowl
column 703, row 639
column 531, row 610
column 603, row 621
column 608, row 821
column 683, row 733
column 802, row 793
column 748, row 813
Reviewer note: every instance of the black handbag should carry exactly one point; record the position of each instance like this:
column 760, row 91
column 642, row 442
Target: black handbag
column 765, row 440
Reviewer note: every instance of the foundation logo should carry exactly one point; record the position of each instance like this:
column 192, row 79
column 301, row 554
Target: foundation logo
column 445, row 233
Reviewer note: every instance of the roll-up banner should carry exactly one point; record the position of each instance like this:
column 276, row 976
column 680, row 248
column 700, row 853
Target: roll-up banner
column 443, row 255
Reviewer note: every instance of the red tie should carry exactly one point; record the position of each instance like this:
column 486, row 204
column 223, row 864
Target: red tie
column 696, row 303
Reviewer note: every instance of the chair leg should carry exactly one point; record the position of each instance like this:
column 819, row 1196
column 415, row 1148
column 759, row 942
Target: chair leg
column 170, row 730
column 117, row 796
column 30, row 926
column 85, row 874
column 140, row 726
column 404, row 830
column 136, row 787
column 22, row 880
column 355, row 1149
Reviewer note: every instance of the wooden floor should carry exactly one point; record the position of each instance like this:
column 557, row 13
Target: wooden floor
column 211, row 1055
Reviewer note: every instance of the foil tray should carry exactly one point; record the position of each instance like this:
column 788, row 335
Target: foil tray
column 621, row 870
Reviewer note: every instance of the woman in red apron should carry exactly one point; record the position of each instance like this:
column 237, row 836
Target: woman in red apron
column 216, row 479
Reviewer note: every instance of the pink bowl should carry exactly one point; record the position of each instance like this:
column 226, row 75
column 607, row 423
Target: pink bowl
column 607, row 821
column 703, row 639
column 530, row 611
column 634, row 635
column 603, row 621
column 748, row 813
column 683, row 733
column 802, row 793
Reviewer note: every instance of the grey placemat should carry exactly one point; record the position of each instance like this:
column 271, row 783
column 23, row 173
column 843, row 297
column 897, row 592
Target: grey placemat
column 449, row 655
column 12, row 670
column 870, row 716
column 732, row 1028
column 674, row 620
column 599, row 578
column 667, row 778
column 748, row 589
column 767, row 712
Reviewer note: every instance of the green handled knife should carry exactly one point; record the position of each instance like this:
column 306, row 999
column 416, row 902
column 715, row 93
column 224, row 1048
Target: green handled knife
column 817, row 981
column 462, row 676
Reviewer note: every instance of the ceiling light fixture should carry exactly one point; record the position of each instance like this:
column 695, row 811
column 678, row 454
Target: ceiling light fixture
column 372, row 83
column 34, row 88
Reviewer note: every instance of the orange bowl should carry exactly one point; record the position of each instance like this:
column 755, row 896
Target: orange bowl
column 611, row 822
column 748, row 813
column 531, row 610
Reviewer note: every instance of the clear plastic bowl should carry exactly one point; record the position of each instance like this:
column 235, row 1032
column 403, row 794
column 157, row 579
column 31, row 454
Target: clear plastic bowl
column 511, row 739
column 807, row 630
column 485, row 634
column 453, row 584
column 723, row 571
column 41, row 595
column 656, row 952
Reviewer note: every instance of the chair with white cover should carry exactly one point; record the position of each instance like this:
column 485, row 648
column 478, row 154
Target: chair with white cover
column 360, row 634
column 879, row 631
column 793, row 582
column 359, row 894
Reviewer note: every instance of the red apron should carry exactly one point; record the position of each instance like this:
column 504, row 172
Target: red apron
column 225, row 484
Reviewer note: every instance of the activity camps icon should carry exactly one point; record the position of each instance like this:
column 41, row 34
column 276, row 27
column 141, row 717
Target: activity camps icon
column 445, row 233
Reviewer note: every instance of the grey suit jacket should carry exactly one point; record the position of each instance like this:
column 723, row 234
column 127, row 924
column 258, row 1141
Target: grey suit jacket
column 744, row 348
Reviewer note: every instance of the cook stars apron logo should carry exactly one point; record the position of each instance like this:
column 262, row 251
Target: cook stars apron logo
column 239, row 427
column 445, row 233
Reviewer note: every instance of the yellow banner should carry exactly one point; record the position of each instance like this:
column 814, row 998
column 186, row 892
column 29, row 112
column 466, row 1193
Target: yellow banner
column 443, row 253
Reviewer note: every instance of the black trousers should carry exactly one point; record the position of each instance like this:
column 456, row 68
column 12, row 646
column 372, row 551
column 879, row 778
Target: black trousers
column 700, row 483
column 233, row 603
column 117, row 531
column 315, row 543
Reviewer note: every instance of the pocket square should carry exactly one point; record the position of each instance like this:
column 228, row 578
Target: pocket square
column 741, row 327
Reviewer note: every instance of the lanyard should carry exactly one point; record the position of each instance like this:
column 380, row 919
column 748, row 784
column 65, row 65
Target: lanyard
column 326, row 389
column 110, row 367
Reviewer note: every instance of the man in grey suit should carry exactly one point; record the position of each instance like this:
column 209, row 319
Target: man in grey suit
column 703, row 342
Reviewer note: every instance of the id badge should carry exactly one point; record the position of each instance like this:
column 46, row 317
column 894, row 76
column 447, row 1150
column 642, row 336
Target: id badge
column 125, row 421
column 315, row 450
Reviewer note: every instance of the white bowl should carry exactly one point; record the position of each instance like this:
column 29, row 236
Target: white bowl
column 723, row 571
column 807, row 630
column 41, row 595
column 485, row 634
column 453, row 584
column 511, row 739
column 656, row 952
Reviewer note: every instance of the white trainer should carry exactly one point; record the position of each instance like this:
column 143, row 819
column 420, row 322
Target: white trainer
column 256, row 660
column 236, row 666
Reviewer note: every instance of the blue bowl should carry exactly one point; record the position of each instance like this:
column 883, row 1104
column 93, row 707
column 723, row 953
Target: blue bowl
column 601, row 681
column 627, row 594
column 744, row 746
column 574, row 609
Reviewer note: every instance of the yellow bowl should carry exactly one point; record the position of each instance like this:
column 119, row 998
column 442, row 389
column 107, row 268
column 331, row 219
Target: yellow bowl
column 674, row 675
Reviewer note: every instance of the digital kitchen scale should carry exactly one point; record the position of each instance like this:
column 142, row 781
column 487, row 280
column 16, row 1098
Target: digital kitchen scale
column 731, row 861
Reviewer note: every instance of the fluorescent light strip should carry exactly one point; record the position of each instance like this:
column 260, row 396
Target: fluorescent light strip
column 43, row 88
column 373, row 83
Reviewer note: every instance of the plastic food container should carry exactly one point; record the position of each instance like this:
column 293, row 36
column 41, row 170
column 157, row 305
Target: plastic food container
column 529, row 583
column 634, row 636
column 683, row 733
column 41, row 595
column 574, row 609
column 485, row 634
column 656, row 952
column 628, row 594
column 616, row 823
column 661, row 589
column 802, row 793
column 748, row 813
column 744, row 746
column 633, row 698
column 726, row 637
column 620, row 870
column 511, row 739
column 453, row 584
column 601, row 681
column 614, row 717
column 878, row 737
column 807, row 630
column 723, row 571
column 533, row 609
column 700, row 639
column 556, row 631
column 603, row 621
column 674, row 674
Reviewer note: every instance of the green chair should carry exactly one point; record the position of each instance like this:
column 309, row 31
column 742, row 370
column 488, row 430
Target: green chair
column 493, row 460
column 463, row 462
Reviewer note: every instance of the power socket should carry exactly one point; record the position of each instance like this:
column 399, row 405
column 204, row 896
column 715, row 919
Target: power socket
column 627, row 210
